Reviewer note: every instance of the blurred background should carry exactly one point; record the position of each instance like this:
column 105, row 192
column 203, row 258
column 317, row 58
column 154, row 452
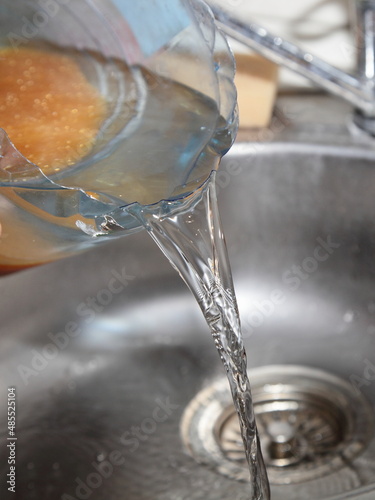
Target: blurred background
column 319, row 26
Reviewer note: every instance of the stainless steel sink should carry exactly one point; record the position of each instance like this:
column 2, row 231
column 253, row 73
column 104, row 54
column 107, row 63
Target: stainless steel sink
column 113, row 364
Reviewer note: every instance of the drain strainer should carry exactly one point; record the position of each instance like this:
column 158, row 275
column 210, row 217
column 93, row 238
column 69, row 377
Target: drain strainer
column 310, row 422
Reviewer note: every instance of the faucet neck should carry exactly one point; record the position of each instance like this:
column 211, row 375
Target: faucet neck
column 358, row 89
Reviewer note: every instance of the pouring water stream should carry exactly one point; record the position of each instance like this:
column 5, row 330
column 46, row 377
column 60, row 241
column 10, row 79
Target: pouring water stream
column 194, row 243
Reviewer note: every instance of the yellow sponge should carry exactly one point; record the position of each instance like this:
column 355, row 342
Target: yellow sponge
column 256, row 82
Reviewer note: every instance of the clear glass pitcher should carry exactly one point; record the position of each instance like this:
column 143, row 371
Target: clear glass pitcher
column 170, row 114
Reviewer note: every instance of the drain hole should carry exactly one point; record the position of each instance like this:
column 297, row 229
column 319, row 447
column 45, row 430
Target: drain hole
column 304, row 429
column 311, row 424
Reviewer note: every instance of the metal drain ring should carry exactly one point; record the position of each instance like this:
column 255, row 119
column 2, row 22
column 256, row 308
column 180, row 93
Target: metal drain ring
column 310, row 422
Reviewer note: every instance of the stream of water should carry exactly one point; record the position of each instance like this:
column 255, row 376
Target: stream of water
column 194, row 243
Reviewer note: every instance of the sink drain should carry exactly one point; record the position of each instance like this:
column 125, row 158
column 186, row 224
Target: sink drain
column 311, row 424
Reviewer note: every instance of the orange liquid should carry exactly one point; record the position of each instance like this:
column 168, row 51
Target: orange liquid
column 5, row 270
column 52, row 114
column 48, row 108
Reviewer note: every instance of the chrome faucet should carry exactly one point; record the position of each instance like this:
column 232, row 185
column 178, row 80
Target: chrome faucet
column 358, row 89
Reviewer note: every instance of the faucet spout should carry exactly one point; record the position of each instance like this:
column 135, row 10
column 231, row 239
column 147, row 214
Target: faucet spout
column 357, row 89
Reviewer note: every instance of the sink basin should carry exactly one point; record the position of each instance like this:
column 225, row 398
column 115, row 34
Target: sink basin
column 108, row 351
